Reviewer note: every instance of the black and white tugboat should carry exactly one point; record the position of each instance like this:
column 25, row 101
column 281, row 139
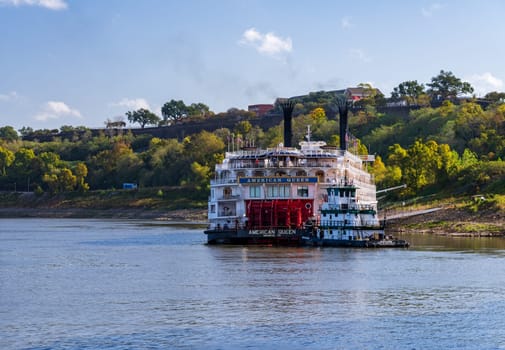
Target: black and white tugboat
column 311, row 195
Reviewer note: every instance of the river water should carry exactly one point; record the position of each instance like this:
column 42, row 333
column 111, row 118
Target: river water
column 99, row 284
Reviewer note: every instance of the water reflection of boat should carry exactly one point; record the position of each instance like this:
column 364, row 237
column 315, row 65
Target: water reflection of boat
column 311, row 195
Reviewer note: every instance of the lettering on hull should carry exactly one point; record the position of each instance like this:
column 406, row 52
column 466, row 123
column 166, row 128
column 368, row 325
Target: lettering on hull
column 271, row 233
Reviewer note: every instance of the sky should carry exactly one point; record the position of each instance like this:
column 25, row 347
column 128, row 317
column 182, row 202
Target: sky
column 69, row 62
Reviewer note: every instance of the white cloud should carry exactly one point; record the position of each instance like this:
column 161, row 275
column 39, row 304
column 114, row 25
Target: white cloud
column 484, row 83
column 12, row 95
column 267, row 44
column 49, row 4
column 430, row 10
column 345, row 23
column 56, row 110
column 132, row 104
column 360, row 55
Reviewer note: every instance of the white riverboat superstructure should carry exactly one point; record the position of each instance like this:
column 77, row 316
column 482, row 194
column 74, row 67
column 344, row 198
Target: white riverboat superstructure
column 315, row 194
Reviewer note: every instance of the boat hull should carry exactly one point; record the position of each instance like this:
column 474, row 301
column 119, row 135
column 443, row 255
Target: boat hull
column 255, row 237
column 294, row 238
column 360, row 243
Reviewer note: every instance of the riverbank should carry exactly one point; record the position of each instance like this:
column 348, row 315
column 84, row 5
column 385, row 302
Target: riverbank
column 444, row 221
column 180, row 215
column 451, row 217
column 455, row 221
column 178, row 204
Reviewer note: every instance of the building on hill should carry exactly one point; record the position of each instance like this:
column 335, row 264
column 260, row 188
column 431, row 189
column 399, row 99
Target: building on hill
column 260, row 109
column 354, row 94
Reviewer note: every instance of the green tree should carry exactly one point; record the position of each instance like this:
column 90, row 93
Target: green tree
column 495, row 97
column 408, row 91
column 81, row 171
column 422, row 164
column 6, row 159
column 201, row 175
column 143, row 117
column 469, row 122
column 202, row 148
column 165, row 162
column 22, row 165
column 447, row 86
column 8, row 134
column 198, row 109
column 378, row 169
column 174, row 111
column 25, row 131
column 449, row 163
column 60, row 180
column 397, row 155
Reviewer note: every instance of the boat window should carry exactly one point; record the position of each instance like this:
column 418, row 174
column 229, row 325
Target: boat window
column 320, row 175
column 302, row 191
column 227, row 192
column 278, row 191
column 254, row 191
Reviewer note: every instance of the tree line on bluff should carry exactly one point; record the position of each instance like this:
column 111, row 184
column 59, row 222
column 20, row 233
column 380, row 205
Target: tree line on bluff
column 455, row 145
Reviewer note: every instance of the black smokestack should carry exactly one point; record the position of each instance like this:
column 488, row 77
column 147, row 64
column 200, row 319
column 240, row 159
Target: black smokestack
column 287, row 109
column 343, row 108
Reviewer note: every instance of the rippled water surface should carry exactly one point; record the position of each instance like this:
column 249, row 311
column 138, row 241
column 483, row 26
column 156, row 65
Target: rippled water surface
column 95, row 284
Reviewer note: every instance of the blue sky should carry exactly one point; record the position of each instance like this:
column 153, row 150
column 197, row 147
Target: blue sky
column 66, row 62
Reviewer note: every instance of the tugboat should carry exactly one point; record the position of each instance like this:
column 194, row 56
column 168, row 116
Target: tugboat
column 311, row 195
column 347, row 222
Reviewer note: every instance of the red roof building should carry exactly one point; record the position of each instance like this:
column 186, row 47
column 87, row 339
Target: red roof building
column 260, row 109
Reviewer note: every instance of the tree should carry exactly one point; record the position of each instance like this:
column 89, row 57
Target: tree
column 422, row 164
column 201, row 175
column 81, row 171
column 318, row 115
column 143, row 117
column 22, row 163
column 8, row 134
column 60, row 180
column 495, row 97
column 174, row 111
column 447, row 86
column 6, row 159
column 408, row 91
column 25, row 131
column 469, row 121
column 198, row 109
column 378, row 169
